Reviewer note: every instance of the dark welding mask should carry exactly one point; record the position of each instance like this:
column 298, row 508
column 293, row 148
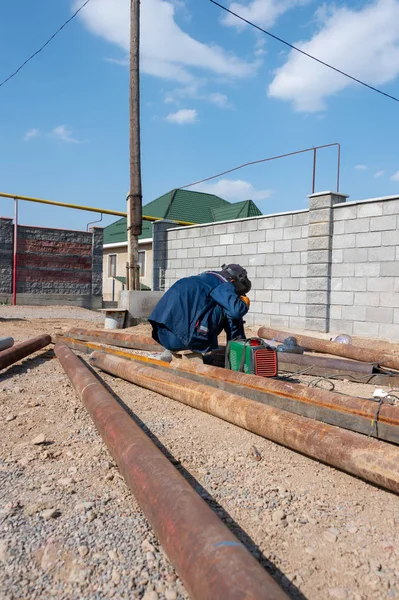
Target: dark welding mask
column 239, row 278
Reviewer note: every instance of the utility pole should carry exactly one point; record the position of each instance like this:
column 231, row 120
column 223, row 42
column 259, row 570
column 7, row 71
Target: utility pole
column 134, row 199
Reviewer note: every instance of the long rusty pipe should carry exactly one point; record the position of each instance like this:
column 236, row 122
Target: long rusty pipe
column 356, row 454
column 354, row 413
column 210, row 560
column 346, row 350
column 18, row 351
column 113, row 338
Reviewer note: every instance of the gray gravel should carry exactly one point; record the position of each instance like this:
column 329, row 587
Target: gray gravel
column 50, row 312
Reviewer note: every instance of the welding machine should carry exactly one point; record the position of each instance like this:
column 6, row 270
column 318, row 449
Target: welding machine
column 252, row 356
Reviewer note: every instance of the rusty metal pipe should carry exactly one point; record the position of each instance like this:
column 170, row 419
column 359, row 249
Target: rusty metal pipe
column 18, row 351
column 325, row 362
column 356, row 454
column 356, row 414
column 346, row 350
column 113, row 338
column 209, row 559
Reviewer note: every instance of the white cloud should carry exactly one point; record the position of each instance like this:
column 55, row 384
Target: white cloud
column 233, row 190
column 379, row 174
column 395, row 177
column 220, row 100
column 63, row 133
column 361, row 168
column 32, row 133
column 363, row 43
column 183, row 116
column 166, row 50
column 260, row 12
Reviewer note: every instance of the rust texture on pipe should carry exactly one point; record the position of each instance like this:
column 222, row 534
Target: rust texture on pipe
column 367, row 458
column 346, row 350
column 325, row 362
column 356, row 414
column 113, row 338
column 209, row 559
column 18, row 351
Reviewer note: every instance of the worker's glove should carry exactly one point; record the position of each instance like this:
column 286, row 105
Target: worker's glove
column 246, row 300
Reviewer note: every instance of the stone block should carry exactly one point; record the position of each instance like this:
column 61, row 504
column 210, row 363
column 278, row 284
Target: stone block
column 336, row 312
column 299, row 245
column 337, row 256
column 290, row 283
column 282, row 271
column 367, row 299
column 271, row 308
column 389, row 300
column 226, row 239
column 282, row 246
column 291, row 310
column 234, row 227
column 205, row 251
column 338, row 227
column 274, row 259
column 294, row 258
column 266, row 223
column 318, row 284
column 383, row 223
column 366, row 329
column 344, row 213
column 320, row 229
column 176, row 244
column 241, row 238
column 319, row 216
column 298, row 270
column 249, row 248
column 366, row 269
column 264, row 272
column 257, row 236
column 139, row 304
column 369, row 209
column 344, row 241
column 251, row 225
column 263, row 296
column 316, row 324
column 280, row 296
column 354, row 313
column 390, row 269
column 319, row 311
column 279, row 321
column 388, row 332
column 319, row 243
column 357, row 225
column 283, row 221
column 380, row 284
column 298, row 297
column 257, row 259
column 273, row 283
column 265, row 247
column 233, row 250
column 274, row 234
column 341, row 269
column 355, row 255
column 354, row 284
column 391, row 207
column 195, row 252
column 292, row 233
column 341, row 326
column 344, row 298
column 317, row 256
column 379, row 315
column 300, row 218
column 366, row 240
column 220, row 229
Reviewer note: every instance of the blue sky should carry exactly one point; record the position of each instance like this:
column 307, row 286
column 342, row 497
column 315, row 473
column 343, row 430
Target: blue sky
column 215, row 94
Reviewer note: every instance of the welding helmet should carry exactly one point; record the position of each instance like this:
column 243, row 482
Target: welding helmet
column 239, row 278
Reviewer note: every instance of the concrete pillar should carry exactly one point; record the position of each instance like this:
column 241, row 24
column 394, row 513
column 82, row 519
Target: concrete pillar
column 319, row 259
column 6, row 255
column 97, row 261
column 160, row 253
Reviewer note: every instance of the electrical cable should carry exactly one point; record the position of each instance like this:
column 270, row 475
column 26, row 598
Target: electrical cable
column 275, row 37
column 44, row 45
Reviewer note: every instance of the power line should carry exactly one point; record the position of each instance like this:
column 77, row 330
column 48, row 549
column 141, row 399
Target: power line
column 44, row 45
column 275, row 37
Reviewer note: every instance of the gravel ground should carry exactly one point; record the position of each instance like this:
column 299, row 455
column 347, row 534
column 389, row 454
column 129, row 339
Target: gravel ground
column 69, row 527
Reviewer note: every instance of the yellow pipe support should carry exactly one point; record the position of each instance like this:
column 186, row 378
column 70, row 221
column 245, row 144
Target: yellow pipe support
column 103, row 211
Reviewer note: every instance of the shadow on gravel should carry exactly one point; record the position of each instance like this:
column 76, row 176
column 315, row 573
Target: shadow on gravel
column 27, row 364
column 12, row 319
column 290, row 588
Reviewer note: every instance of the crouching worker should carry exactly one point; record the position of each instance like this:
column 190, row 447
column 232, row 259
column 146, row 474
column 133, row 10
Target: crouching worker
column 195, row 310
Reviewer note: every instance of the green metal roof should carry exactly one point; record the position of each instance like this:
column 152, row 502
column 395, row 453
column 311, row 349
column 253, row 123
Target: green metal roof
column 184, row 205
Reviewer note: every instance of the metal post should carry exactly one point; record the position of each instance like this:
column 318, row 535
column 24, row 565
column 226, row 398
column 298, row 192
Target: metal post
column 338, row 166
column 14, row 269
column 134, row 199
column 314, row 170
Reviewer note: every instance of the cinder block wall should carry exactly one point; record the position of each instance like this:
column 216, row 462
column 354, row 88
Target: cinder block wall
column 60, row 264
column 332, row 268
column 365, row 269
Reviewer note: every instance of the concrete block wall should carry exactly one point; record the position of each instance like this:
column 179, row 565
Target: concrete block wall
column 365, row 269
column 273, row 249
column 332, row 268
column 53, row 262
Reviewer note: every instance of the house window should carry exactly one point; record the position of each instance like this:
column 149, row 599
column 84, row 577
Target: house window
column 112, row 265
column 142, row 263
